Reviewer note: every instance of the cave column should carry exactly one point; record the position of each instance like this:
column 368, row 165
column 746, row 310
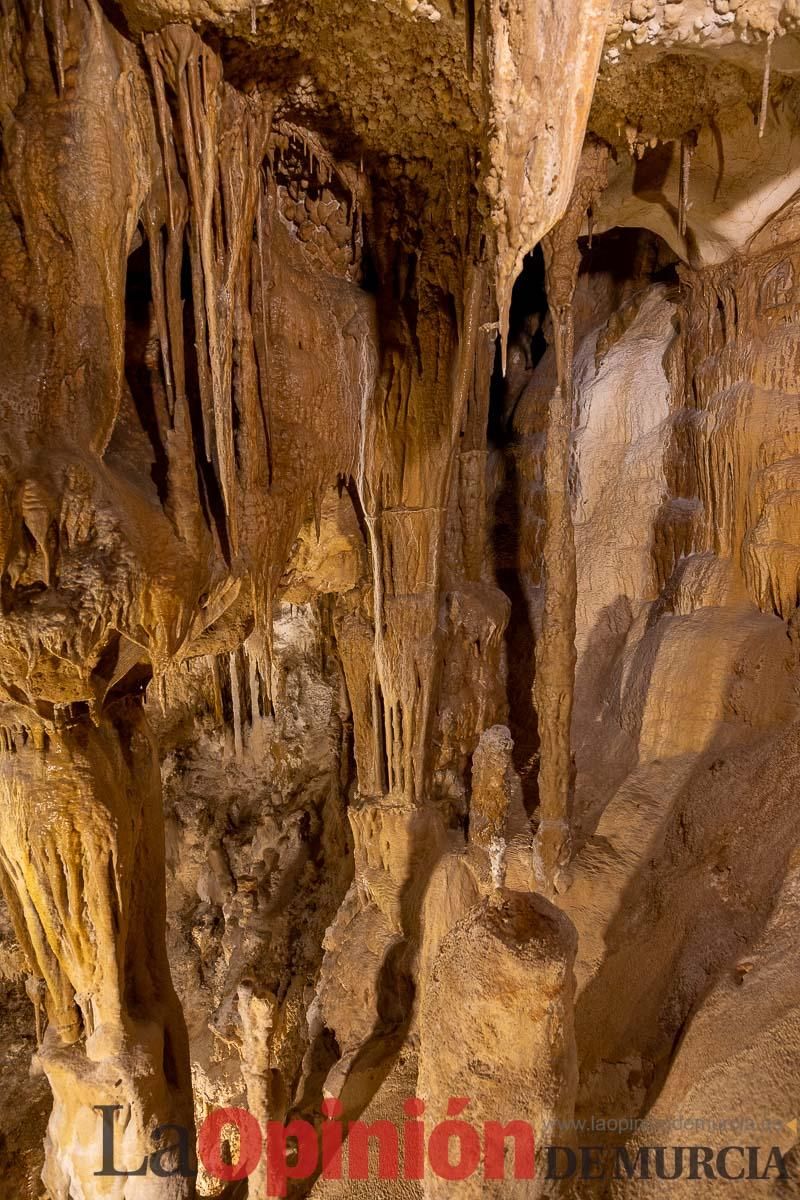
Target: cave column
column 420, row 403
column 83, row 561
column 408, row 531
column 82, row 870
column 429, row 310
column 555, row 648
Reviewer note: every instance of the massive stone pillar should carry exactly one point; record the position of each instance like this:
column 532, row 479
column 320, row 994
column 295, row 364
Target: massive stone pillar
column 555, row 650
column 82, row 870
column 98, row 586
column 417, row 416
column 430, row 304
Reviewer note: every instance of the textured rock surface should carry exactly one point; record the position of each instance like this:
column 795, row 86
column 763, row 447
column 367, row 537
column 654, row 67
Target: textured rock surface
column 399, row 574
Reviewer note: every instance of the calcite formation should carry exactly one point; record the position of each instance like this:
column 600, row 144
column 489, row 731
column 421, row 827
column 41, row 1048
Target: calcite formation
column 399, row 590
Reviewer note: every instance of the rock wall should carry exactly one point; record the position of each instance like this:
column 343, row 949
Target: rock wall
column 399, row 559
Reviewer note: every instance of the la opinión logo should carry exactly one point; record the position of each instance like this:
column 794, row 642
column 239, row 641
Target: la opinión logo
column 454, row 1149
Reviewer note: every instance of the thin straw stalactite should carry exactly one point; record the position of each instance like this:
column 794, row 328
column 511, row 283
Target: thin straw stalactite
column 223, row 136
column 762, row 117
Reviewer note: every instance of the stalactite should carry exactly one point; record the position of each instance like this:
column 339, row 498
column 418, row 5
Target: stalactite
column 236, row 704
column 253, row 681
column 266, row 404
column 532, row 151
column 688, row 146
column 160, row 686
column 224, row 137
column 216, row 684
column 199, row 119
column 36, row 989
column 157, row 272
column 54, row 19
column 316, row 504
column 173, row 269
column 762, row 117
column 405, row 587
column 87, row 904
column 166, row 210
column 464, row 368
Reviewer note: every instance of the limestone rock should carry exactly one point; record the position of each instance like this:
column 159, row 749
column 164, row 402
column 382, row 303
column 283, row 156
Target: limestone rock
column 399, row 575
column 512, row 955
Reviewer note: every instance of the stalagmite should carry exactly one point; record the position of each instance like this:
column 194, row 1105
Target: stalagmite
column 484, row 928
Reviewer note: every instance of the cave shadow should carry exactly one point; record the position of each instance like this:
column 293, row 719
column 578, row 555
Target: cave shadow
column 650, row 175
column 396, row 992
column 655, row 931
column 146, row 385
column 141, row 379
column 599, row 674
column 507, row 512
column 506, row 540
column 516, row 428
column 692, row 938
column 395, row 1002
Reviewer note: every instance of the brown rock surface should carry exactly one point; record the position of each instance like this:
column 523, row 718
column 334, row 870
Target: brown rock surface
column 399, row 578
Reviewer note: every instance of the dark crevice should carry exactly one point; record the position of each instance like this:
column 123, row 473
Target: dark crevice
column 142, row 374
column 380, row 737
column 211, row 498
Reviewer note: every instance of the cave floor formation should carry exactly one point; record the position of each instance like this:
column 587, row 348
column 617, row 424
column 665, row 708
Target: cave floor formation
column 399, row 594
